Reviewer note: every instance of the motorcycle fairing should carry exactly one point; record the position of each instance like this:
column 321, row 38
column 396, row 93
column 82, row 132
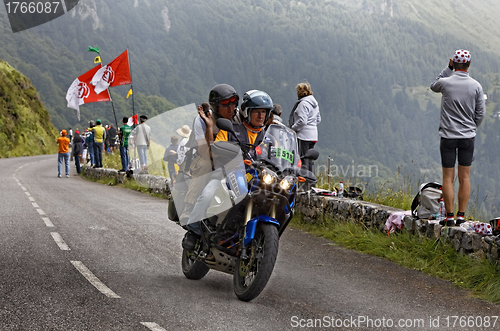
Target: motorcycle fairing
column 252, row 225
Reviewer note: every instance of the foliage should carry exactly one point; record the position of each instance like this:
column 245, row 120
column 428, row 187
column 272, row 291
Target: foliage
column 432, row 257
column 369, row 62
column 25, row 127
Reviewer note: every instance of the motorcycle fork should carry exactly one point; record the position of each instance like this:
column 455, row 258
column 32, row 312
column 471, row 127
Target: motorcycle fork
column 248, row 217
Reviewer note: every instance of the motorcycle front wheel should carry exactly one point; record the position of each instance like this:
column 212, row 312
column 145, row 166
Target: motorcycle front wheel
column 252, row 274
column 191, row 268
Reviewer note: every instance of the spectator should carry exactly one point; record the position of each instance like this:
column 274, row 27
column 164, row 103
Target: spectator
column 85, row 147
column 462, row 111
column 125, row 131
column 106, row 141
column 304, row 119
column 90, row 142
column 99, row 136
column 77, row 150
column 184, row 132
column 142, row 140
column 112, row 138
column 63, row 143
column 170, row 157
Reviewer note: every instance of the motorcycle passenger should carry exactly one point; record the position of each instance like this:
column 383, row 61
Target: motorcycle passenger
column 223, row 100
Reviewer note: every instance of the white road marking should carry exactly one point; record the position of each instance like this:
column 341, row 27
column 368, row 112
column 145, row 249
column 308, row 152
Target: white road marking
column 153, row 326
column 47, row 221
column 32, row 199
column 23, row 188
column 94, row 280
column 27, row 193
column 35, row 205
column 59, row 241
column 41, row 212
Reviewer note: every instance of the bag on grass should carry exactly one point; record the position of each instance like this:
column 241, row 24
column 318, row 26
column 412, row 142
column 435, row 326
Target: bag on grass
column 495, row 226
column 426, row 202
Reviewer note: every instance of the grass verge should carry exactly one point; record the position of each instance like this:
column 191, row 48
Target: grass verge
column 433, row 257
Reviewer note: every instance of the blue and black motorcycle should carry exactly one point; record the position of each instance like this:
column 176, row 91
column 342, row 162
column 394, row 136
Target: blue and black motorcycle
column 249, row 210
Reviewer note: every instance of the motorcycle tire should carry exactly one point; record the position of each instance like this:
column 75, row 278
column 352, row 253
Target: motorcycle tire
column 252, row 275
column 191, row 268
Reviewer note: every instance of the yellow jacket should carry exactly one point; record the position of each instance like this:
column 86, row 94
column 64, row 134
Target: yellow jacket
column 99, row 133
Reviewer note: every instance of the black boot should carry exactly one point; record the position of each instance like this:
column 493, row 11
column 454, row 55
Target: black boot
column 190, row 240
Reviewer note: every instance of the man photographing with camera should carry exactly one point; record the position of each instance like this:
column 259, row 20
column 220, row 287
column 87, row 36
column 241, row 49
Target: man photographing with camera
column 462, row 111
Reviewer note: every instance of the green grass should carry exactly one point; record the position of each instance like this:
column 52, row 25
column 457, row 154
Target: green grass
column 433, row 257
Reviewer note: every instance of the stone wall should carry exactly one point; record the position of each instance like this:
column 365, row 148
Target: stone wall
column 155, row 184
column 370, row 214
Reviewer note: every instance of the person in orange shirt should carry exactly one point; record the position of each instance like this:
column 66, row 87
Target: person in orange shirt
column 63, row 143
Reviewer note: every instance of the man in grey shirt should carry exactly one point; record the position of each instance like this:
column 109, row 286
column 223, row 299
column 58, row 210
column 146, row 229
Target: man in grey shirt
column 142, row 140
column 462, row 111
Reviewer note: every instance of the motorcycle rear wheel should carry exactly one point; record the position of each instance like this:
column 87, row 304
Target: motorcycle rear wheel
column 252, row 275
column 191, row 268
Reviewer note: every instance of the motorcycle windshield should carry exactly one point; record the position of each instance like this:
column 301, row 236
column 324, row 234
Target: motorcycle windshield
column 177, row 162
column 279, row 148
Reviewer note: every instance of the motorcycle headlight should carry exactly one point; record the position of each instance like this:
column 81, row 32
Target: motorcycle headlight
column 286, row 183
column 269, row 177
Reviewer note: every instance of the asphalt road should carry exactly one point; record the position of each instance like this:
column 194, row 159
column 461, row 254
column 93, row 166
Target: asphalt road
column 76, row 255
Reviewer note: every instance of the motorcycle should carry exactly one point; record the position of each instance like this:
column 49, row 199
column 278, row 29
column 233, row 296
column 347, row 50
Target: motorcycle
column 250, row 208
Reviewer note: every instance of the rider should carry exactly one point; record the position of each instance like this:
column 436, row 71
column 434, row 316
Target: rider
column 223, row 100
column 256, row 108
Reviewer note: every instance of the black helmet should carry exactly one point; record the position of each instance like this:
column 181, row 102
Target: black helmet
column 256, row 99
column 221, row 92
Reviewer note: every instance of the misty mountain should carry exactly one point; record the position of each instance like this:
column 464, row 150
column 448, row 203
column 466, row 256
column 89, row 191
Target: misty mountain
column 369, row 62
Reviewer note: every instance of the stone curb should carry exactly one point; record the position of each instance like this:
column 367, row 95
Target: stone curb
column 370, row 214
column 156, row 184
column 374, row 216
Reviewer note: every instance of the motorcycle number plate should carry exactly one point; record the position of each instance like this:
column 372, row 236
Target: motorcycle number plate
column 284, row 154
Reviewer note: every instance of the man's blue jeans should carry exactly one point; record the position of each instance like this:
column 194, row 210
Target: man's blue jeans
column 124, row 156
column 60, row 158
column 200, row 208
column 91, row 152
column 143, row 154
column 98, row 148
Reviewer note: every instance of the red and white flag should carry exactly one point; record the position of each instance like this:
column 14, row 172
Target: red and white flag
column 81, row 91
column 115, row 73
column 133, row 120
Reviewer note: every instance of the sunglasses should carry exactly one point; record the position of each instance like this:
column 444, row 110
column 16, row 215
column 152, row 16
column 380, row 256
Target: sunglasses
column 233, row 99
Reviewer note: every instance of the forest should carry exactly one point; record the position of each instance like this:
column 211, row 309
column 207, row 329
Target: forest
column 369, row 62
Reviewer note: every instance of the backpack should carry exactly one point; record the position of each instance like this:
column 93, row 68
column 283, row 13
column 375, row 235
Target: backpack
column 181, row 151
column 426, row 202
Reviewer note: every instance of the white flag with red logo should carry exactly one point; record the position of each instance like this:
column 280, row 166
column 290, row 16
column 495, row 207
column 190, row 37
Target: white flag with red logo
column 81, row 91
column 115, row 73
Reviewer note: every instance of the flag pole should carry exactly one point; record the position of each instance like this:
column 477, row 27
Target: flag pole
column 133, row 108
column 110, row 98
column 131, row 85
column 113, row 106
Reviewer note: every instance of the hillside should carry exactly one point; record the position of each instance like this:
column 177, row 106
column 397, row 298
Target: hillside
column 369, row 62
column 25, row 126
